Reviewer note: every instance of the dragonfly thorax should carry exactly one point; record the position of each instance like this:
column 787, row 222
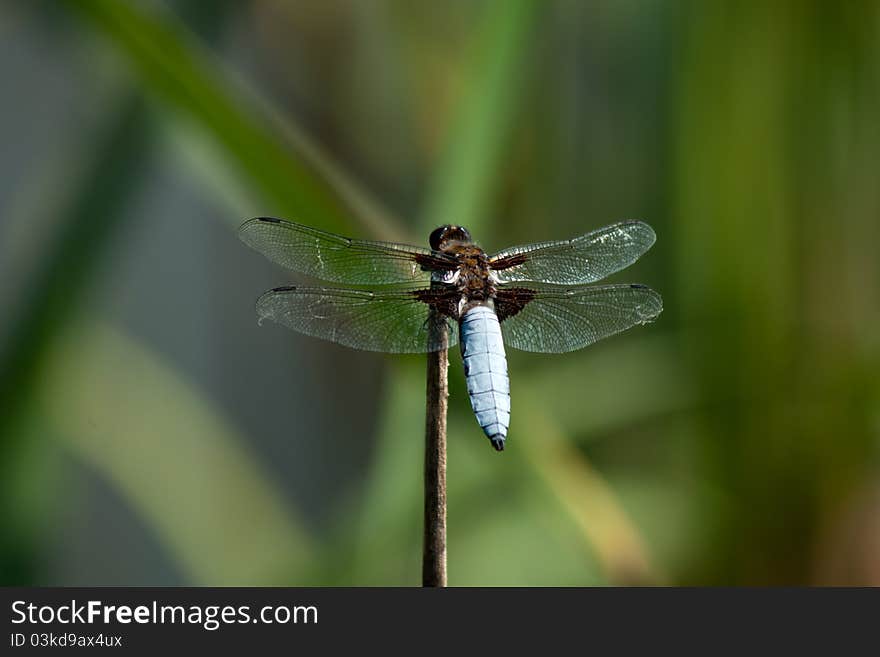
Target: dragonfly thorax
column 474, row 276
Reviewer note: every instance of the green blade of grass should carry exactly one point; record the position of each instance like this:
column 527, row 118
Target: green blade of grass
column 89, row 220
column 461, row 187
column 173, row 458
column 590, row 501
column 278, row 160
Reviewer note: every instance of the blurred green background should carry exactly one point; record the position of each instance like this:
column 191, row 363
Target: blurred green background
column 152, row 433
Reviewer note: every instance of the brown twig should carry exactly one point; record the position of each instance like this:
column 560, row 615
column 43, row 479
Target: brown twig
column 434, row 549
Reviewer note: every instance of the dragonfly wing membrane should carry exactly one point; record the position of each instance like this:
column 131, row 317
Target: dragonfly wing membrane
column 553, row 319
column 338, row 259
column 394, row 321
column 585, row 259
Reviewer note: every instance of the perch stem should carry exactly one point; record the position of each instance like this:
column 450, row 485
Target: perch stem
column 434, row 548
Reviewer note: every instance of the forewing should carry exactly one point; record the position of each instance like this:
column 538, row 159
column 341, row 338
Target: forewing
column 394, row 321
column 558, row 319
column 330, row 257
column 585, row 259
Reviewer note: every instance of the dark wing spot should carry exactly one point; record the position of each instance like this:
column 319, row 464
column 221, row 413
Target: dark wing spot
column 285, row 288
column 434, row 262
column 442, row 299
column 511, row 300
column 509, row 261
column 638, row 286
column 269, row 220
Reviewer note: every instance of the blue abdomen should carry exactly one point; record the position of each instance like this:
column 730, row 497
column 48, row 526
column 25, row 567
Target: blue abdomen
column 485, row 369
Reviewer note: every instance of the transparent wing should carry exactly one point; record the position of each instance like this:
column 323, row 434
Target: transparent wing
column 339, row 259
column 585, row 259
column 559, row 319
column 394, row 321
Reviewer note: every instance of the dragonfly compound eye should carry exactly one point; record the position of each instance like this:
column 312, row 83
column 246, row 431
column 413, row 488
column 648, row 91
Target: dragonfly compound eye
column 443, row 235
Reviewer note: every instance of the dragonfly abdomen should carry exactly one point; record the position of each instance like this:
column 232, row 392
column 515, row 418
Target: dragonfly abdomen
column 485, row 369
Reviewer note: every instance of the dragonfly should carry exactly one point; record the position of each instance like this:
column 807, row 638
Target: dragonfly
column 394, row 297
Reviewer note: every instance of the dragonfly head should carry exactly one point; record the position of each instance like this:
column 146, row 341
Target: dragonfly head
column 445, row 236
